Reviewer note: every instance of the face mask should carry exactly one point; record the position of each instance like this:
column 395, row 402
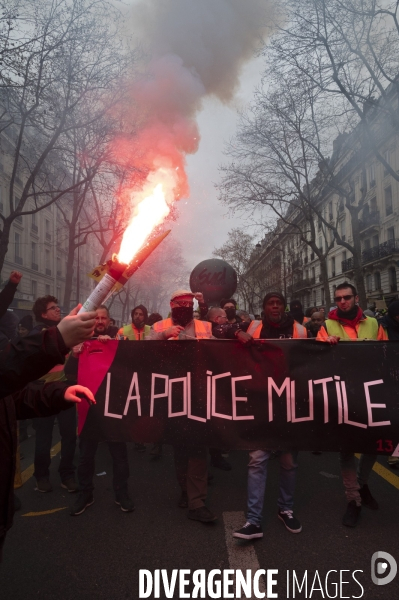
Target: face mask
column 230, row 313
column 182, row 315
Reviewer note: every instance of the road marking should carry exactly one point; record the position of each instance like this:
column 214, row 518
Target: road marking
column 44, row 512
column 28, row 472
column 241, row 555
column 385, row 473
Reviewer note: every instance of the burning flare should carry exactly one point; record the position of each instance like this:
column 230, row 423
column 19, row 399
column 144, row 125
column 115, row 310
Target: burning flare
column 151, row 211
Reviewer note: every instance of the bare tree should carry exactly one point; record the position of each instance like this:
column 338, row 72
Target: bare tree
column 238, row 252
column 61, row 72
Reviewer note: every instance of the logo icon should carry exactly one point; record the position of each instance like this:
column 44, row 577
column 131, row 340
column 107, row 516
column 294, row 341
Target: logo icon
column 383, row 568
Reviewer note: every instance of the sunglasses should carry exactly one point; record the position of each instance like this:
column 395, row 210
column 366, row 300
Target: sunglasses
column 340, row 298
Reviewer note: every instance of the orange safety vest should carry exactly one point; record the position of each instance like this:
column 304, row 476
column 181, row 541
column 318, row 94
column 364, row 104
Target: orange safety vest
column 255, row 327
column 203, row 329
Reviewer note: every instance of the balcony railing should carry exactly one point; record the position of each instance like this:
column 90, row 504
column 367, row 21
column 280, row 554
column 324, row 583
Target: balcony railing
column 347, row 264
column 369, row 220
column 297, row 264
column 373, row 254
column 380, row 251
column 301, row 284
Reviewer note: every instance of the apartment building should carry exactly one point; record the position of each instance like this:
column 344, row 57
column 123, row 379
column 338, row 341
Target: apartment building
column 291, row 267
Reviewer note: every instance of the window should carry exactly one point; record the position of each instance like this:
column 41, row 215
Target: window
column 47, row 290
column 391, row 233
column 366, row 211
column 17, row 248
column 320, row 244
column 373, row 205
column 387, row 159
column 388, row 200
column 375, row 240
column 344, row 255
column 313, row 274
column 342, row 229
column 393, row 284
column 372, row 175
column 59, row 267
column 59, row 291
column 367, row 244
column 322, row 295
column 333, row 267
column 34, row 258
column 369, row 287
column 47, row 228
column 33, row 286
column 47, row 262
column 377, row 280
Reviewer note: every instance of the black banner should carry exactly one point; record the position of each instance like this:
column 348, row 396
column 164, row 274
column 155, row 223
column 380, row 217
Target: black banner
column 284, row 394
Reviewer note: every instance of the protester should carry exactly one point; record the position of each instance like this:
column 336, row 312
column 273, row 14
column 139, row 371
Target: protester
column 137, row 330
column 8, row 328
column 103, row 326
column 276, row 323
column 190, row 460
column 37, row 399
column 8, row 292
column 222, row 329
column 309, row 311
column 113, row 329
column 153, row 318
column 47, row 314
column 88, row 449
column 244, row 316
column 230, row 306
column 315, row 322
column 196, row 314
column 25, row 325
column 348, row 322
column 296, row 311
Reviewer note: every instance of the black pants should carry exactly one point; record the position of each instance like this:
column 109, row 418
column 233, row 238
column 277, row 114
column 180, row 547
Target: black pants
column 192, row 473
column 120, row 466
column 44, row 437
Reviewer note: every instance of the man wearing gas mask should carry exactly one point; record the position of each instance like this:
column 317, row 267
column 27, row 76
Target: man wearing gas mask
column 190, row 460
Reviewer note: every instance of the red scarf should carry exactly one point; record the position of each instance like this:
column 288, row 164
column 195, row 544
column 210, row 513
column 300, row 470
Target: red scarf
column 333, row 315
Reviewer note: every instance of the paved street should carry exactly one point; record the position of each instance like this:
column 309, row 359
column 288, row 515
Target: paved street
column 98, row 554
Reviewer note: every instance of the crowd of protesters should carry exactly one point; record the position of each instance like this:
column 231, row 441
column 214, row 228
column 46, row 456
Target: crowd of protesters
column 41, row 392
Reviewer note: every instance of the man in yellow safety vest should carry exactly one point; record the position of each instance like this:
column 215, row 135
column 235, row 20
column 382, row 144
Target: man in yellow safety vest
column 137, row 330
column 348, row 323
column 190, row 460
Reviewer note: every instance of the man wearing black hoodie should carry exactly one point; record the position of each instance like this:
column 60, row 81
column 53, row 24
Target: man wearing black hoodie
column 48, row 314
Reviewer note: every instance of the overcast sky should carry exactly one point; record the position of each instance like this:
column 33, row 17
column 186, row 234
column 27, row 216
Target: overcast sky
column 204, row 222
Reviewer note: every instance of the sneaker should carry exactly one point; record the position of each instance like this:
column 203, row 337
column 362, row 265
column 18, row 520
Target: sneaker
column 291, row 523
column 122, row 499
column 352, row 514
column 367, row 498
column 70, row 485
column 84, row 500
column 221, row 463
column 43, row 485
column 183, row 502
column 249, row 532
column 202, row 514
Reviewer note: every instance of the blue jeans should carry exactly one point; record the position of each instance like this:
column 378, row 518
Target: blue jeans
column 44, row 436
column 257, row 475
